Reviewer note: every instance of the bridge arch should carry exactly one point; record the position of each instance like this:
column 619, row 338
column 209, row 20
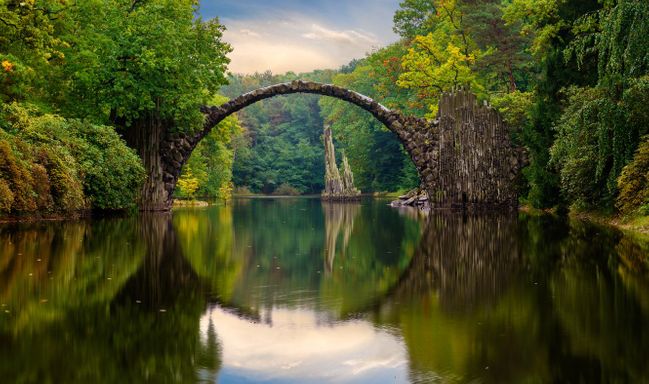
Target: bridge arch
column 214, row 115
column 176, row 150
column 464, row 157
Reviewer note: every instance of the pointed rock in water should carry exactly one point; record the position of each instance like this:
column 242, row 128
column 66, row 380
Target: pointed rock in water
column 337, row 187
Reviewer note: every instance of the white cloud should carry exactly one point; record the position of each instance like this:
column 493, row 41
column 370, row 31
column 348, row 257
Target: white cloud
column 351, row 36
column 248, row 32
column 251, row 56
column 283, row 42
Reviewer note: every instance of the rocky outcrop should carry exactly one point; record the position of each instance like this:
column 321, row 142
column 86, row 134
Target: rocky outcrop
column 337, row 187
column 348, row 177
column 417, row 197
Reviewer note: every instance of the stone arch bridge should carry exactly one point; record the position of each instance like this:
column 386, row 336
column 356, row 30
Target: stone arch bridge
column 464, row 158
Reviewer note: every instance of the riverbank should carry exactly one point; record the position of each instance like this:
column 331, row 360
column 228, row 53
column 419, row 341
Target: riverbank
column 43, row 217
column 85, row 214
column 190, row 203
column 636, row 226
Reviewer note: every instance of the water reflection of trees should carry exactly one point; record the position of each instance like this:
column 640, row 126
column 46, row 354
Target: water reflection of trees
column 514, row 299
column 486, row 298
column 49, row 269
column 266, row 253
column 465, row 259
column 122, row 305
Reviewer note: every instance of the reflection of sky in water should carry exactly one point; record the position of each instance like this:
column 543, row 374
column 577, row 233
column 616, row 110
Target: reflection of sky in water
column 297, row 346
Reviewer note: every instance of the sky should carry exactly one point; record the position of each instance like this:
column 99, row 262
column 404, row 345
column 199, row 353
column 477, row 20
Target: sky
column 301, row 35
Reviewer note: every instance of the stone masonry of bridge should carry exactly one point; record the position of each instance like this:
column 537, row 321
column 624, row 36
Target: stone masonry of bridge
column 465, row 157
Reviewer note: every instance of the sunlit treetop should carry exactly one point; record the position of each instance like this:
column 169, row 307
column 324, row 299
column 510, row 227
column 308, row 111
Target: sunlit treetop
column 442, row 59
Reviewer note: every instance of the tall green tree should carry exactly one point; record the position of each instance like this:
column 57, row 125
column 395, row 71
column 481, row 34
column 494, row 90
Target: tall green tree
column 146, row 67
column 460, row 43
column 442, row 59
column 601, row 126
column 548, row 26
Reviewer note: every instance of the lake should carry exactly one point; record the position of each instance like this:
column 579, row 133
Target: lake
column 295, row 290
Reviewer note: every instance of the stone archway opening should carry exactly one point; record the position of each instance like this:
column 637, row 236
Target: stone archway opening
column 464, row 158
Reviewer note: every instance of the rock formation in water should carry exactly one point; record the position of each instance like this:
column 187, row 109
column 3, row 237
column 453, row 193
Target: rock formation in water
column 417, row 197
column 348, row 177
column 337, row 187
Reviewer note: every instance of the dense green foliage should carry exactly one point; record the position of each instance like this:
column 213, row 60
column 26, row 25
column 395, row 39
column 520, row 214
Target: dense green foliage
column 31, row 47
column 601, row 125
column 634, row 183
column 282, row 145
column 132, row 58
column 112, row 60
column 51, row 164
column 570, row 77
column 375, row 154
column 461, row 43
column 281, row 142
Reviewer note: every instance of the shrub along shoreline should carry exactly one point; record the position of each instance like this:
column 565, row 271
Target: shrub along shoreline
column 51, row 166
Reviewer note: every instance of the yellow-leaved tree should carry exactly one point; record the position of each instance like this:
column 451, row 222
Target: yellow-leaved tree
column 443, row 59
column 187, row 184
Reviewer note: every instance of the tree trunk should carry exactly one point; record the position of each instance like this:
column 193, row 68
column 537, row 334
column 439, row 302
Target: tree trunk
column 145, row 136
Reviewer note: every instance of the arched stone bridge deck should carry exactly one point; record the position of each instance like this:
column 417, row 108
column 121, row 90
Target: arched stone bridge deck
column 464, row 158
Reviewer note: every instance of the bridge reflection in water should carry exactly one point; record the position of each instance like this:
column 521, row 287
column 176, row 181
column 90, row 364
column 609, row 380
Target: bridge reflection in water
column 297, row 291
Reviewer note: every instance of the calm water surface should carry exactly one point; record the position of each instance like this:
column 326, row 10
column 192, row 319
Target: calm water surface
column 298, row 291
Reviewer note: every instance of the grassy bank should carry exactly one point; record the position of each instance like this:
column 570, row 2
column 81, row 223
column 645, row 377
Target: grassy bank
column 638, row 226
column 190, row 203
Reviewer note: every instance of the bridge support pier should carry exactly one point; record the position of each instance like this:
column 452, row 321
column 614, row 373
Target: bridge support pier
column 465, row 158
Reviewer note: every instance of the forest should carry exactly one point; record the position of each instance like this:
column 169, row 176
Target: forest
column 81, row 81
